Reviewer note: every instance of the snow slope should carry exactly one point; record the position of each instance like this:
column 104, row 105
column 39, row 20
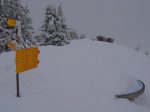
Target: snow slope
column 84, row 76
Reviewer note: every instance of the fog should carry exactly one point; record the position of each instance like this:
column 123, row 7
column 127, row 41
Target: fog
column 127, row 21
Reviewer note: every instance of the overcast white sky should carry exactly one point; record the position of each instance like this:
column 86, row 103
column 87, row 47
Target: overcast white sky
column 127, row 21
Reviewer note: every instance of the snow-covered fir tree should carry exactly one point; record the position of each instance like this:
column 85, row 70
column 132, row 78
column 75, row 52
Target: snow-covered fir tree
column 49, row 27
column 1, row 8
column 4, row 33
column 26, row 27
column 14, row 9
column 54, row 30
column 64, row 31
column 73, row 34
column 5, row 4
column 22, row 14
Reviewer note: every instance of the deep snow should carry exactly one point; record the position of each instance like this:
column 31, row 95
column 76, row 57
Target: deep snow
column 84, row 76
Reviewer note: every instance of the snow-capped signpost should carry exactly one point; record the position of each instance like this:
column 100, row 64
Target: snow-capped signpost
column 27, row 58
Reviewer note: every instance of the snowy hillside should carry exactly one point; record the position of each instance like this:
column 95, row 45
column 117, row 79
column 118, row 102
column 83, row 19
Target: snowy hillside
column 83, row 76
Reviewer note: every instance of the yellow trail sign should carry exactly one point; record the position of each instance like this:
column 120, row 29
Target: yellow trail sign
column 11, row 22
column 26, row 59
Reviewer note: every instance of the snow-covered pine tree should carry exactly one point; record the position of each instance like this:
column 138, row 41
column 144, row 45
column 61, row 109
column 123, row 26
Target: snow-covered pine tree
column 5, row 8
column 1, row 8
column 54, row 28
column 73, row 34
column 62, row 29
column 1, row 12
column 4, row 33
column 22, row 14
column 26, row 27
column 49, row 27
column 3, row 39
column 14, row 9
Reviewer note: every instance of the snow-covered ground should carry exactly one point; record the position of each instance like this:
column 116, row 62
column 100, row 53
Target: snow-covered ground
column 84, row 76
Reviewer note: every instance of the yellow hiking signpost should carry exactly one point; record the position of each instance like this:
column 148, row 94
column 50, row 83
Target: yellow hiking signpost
column 26, row 59
column 11, row 22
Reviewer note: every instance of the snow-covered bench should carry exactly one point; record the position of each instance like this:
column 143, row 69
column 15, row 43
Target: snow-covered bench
column 132, row 95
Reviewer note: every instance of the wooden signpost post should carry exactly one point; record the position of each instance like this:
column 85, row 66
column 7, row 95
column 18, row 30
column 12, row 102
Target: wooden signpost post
column 26, row 59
